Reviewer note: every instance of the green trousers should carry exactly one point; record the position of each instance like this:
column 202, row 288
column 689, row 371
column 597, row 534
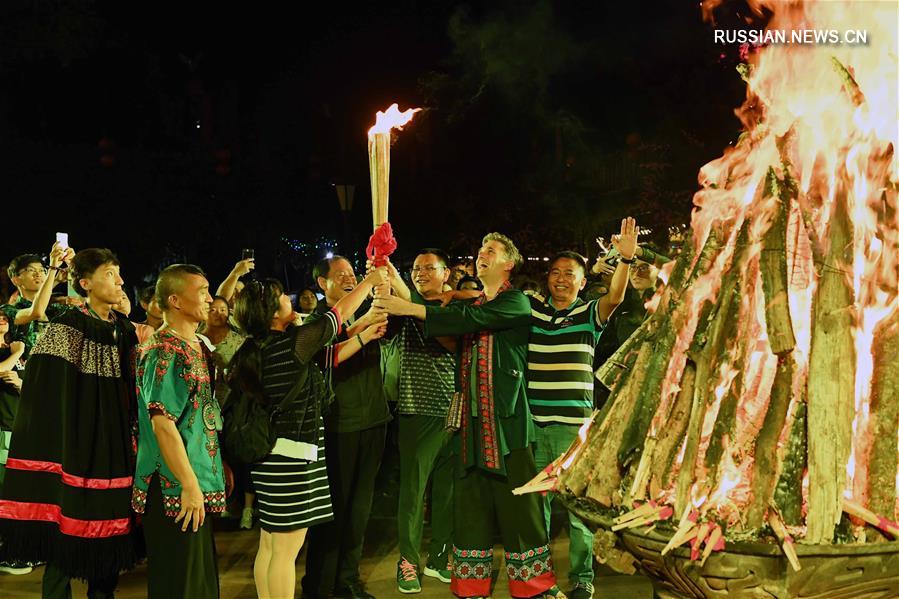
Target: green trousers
column 483, row 503
column 552, row 441
column 179, row 564
column 425, row 453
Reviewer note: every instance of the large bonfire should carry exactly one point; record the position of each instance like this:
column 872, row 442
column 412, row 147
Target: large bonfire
column 760, row 401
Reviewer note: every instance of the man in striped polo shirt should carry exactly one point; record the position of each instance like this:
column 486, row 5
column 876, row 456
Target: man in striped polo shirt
column 564, row 332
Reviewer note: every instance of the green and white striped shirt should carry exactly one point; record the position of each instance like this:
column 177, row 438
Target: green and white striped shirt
column 560, row 361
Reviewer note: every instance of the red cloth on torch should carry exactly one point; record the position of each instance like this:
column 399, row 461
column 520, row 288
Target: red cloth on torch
column 381, row 245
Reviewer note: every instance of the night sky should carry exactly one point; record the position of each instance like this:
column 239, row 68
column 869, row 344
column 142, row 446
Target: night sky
column 190, row 130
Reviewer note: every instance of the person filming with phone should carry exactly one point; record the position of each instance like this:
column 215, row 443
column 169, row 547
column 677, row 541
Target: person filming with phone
column 30, row 314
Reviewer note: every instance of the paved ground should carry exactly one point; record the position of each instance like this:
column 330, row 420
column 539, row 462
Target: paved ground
column 237, row 549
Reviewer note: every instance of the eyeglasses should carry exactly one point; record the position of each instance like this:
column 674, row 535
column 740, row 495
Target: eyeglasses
column 34, row 271
column 426, row 269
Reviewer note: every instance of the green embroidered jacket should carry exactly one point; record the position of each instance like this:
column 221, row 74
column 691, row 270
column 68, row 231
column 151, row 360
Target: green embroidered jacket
column 507, row 316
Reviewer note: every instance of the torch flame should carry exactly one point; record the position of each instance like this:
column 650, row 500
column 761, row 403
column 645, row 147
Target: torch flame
column 392, row 118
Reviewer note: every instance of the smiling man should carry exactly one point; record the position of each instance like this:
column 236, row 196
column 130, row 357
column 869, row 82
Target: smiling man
column 426, row 386
column 65, row 497
column 355, row 434
column 494, row 441
column 179, row 477
column 564, row 332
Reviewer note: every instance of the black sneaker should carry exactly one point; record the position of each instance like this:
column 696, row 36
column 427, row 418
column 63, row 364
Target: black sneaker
column 353, row 590
column 582, row 590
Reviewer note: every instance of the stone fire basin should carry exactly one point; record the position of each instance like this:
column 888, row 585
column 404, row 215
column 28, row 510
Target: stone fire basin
column 760, row 570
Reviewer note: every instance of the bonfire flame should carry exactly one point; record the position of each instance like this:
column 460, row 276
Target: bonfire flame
column 801, row 130
column 784, row 301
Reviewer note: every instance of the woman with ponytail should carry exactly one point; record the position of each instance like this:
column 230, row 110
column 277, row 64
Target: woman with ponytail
column 276, row 360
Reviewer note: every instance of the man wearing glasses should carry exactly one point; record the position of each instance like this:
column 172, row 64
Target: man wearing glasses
column 31, row 313
column 426, row 385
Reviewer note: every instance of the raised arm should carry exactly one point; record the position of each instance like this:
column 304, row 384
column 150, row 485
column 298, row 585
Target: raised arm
column 351, row 346
column 226, row 289
column 626, row 244
column 16, row 348
column 38, row 308
column 348, row 304
column 507, row 310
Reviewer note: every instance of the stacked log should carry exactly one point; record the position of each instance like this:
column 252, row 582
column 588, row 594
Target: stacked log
column 831, row 379
column 748, row 367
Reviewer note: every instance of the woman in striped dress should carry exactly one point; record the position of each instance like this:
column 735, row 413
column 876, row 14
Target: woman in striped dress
column 276, row 361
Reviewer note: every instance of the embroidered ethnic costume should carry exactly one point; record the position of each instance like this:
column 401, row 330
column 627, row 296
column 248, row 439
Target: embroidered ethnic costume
column 494, row 446
column 69, row 473
column 173, row 379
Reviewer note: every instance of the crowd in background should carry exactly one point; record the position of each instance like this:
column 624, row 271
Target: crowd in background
column 481, row 371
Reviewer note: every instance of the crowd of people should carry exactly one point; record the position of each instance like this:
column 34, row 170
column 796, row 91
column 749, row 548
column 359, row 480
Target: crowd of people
column 111, row 446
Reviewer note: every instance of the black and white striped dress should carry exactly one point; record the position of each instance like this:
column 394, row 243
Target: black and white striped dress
column 294, row 493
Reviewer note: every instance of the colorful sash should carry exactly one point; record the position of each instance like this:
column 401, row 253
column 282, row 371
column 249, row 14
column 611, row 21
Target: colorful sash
column 490, row 456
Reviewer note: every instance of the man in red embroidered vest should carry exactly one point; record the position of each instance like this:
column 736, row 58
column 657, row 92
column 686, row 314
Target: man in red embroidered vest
column 65, row 500
column 494, row 441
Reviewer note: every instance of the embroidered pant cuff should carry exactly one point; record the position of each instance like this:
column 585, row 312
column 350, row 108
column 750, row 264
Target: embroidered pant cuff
column 472, row 572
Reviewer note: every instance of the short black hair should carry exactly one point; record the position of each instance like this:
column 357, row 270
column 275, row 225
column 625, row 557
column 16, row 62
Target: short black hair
column 568, row 254
column 171, row 279
column 86, row 262
column 19, row 263
column 146, row 294
column 322, row 268
column 441, row 255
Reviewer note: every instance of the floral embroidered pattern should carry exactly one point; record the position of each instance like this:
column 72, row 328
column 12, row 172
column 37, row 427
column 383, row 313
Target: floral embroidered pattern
column 476, row 564
column 213, row 502
column 529, row 564
column 138, row 500
column 481, row 343
column 174, row 378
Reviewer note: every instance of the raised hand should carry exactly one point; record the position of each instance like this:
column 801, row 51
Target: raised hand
column 602, row 266
column 392, row 305
column 626, row 241
column 57, row 254
column 377, row 276
column 374, row 331
column 244, row 266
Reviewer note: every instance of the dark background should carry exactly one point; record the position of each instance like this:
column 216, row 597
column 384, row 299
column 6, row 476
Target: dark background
column 187, row 131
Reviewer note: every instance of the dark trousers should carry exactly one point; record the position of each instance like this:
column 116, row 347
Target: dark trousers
column 179, row 564
column 425, row 453
column 484, row 502
column 56, row 585
column 335, row 548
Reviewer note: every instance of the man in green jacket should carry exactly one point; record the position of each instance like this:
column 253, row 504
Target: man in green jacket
column 496, row 433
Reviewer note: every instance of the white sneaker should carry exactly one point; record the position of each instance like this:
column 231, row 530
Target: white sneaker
column 16, row 571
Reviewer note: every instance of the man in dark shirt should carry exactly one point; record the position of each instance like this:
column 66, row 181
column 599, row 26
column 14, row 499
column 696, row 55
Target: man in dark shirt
column 355, row 433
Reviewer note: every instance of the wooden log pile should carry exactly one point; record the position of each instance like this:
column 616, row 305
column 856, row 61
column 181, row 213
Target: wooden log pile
column 761, row 399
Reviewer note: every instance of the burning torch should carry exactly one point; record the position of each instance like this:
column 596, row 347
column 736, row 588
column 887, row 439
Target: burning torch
column 382, row 242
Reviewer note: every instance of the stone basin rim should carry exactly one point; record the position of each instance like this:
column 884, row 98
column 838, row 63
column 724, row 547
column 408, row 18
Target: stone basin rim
column 758, row 548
